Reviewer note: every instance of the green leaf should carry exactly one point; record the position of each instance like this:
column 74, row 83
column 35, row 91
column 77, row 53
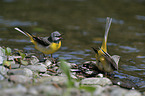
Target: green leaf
column 24, row 62
column 22, row 54
column 6, row 63
column 88, row 88
column 8, row 51
column 66, row 70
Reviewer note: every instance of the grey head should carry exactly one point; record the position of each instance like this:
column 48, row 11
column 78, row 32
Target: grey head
column 116, row 59
column 56, row 36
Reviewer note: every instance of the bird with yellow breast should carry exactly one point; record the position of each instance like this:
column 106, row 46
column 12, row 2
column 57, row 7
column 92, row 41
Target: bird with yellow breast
column 46, row 45
column 104, row 61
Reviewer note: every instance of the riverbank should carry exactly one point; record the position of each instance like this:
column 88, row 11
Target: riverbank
column 26, row 75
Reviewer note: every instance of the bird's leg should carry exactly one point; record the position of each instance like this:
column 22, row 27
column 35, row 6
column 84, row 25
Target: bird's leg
column 45, row 57
column 53, row 60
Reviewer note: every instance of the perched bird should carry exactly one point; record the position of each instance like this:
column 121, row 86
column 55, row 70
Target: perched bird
column 46, row 45
column 104, row 61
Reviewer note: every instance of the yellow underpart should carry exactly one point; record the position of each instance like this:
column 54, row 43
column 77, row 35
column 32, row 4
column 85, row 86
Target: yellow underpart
column 53, row 47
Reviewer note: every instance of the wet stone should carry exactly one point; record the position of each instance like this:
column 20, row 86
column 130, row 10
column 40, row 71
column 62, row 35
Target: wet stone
column 96, row 81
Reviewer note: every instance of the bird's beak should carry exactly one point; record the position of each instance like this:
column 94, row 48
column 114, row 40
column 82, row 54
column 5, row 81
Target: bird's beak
column 61, row 36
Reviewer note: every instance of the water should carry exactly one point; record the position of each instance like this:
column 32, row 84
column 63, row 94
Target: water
column 83, row 23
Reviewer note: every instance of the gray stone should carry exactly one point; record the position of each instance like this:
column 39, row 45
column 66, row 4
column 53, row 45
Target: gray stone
column 37, row 68
column 1, row 77
column 19, row 79
column 13, row 91
column 49, row 90
column 15, row 66
column 33, row 91
column 5, row 84
column 41, row 64
column 1, row 60
column 58, row 79
column 25, row 72
column 133, row 93
column 96, row 81
column 99, row 90
column 48, row 63
column 33, row 60
column 118, row 92
column 3, row 70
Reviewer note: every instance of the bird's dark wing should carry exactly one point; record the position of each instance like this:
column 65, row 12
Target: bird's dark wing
column 42, row 40
column 110, row 60
column 95, row 50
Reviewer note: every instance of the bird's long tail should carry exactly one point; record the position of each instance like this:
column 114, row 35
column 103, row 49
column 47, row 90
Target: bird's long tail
column 104, row 44
column 25, row 33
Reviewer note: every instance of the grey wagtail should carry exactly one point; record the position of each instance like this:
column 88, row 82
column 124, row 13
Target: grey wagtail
column 46, row 45
column 104, row 61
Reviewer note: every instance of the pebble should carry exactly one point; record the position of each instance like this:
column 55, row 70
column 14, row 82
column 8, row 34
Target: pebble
column 19, row 79
column 132, row 93
column 3, row 70
column 96, row 81
column 1, row 77
column 15, row 66
column 48, row 63
column 37, row 68
column 49, row 90
column 25, row 72
column 33, row 60
column 19, row 90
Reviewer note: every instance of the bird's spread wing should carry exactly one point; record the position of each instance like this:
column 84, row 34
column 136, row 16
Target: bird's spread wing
column 42, row 40
column 110, row 60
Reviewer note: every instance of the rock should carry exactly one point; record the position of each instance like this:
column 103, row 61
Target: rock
column 15, row 66
column 41, row 64
column 118, row 92
column 19, row 90
column 1, row 60
column 25, row 72
column 48, row 63
column 19, row 79
column 44, row 75
column 59, row 79
column 96, row 81
column 49, row 90
column 133, row 93
column 1, row 77
column 33, row 60
column 3, row 70
column 33, row 91
column 5, row 84
column 37, row 68
column 99, row 90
